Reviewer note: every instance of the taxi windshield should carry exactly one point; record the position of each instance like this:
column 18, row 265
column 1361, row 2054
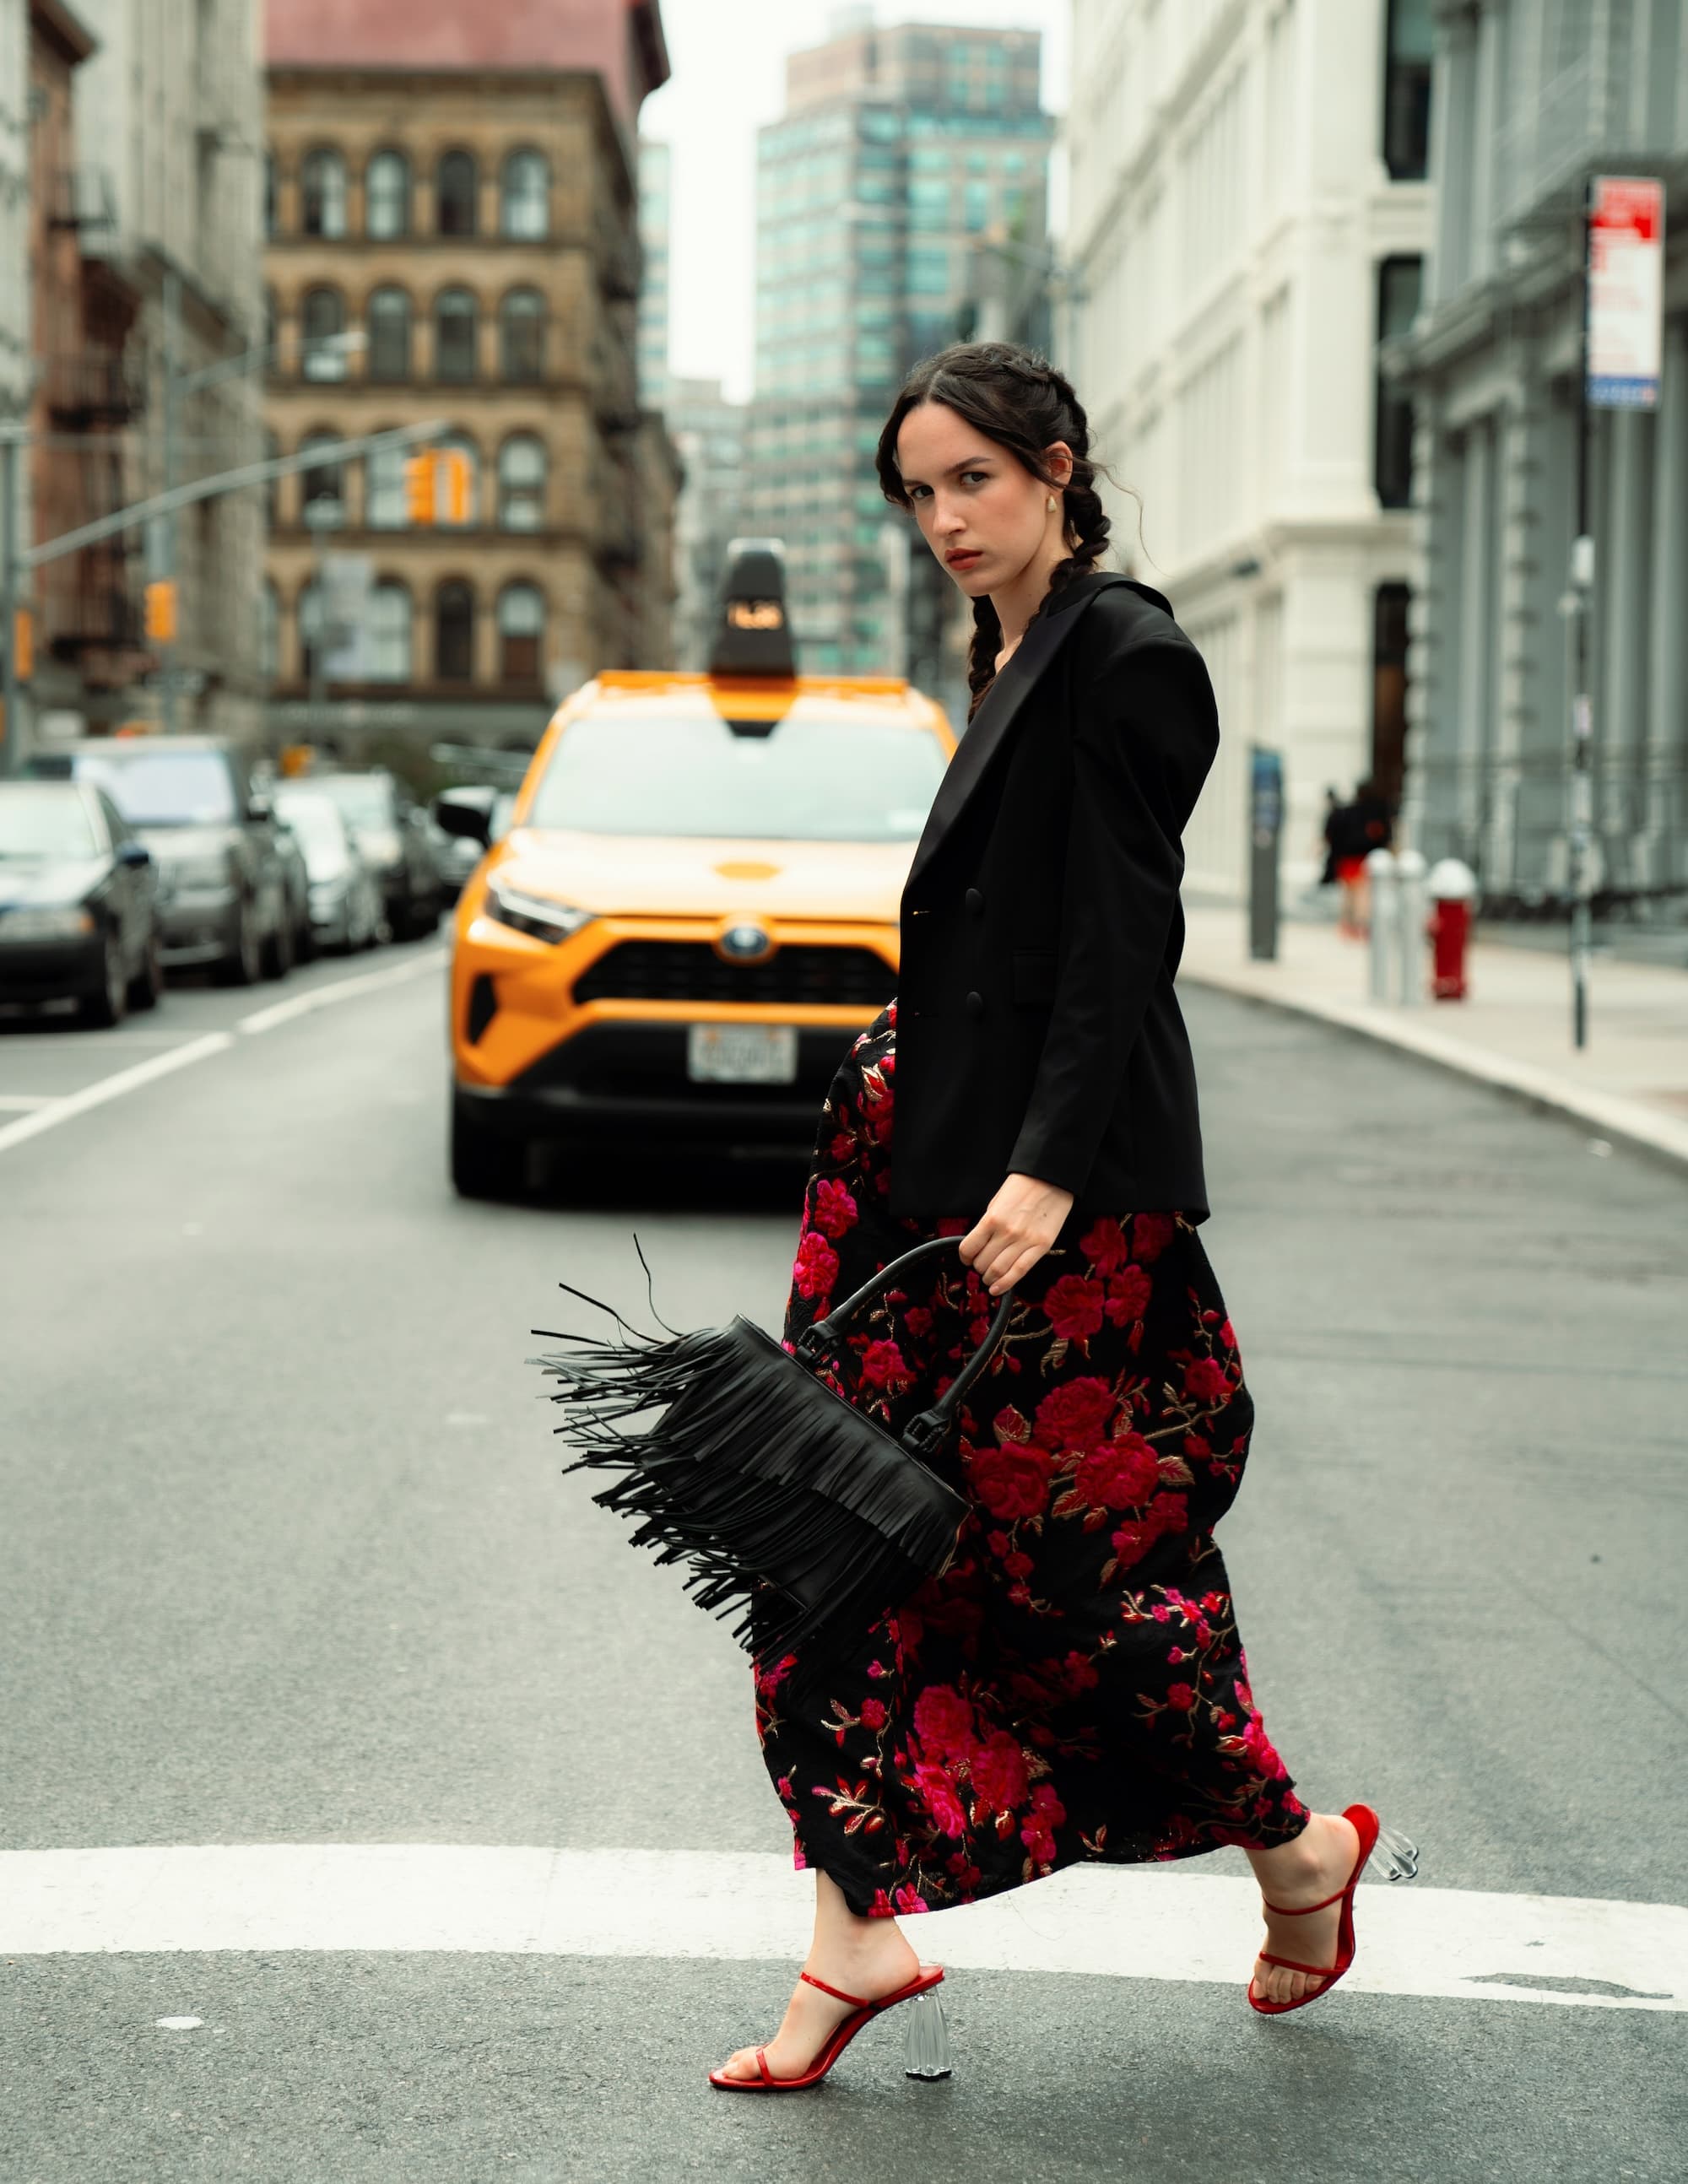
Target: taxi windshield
column 813, row 779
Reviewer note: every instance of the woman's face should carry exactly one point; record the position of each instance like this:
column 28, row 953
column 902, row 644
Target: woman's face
column 979, row 509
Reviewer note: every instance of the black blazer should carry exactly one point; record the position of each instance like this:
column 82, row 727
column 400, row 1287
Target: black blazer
column 1037, row 1027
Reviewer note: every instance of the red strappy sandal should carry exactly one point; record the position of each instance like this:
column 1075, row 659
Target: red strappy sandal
column 1395, row 1857
column 927, row 2053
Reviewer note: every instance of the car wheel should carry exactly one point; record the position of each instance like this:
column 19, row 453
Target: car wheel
column 278, row 949
column 110, row 1004
column 148, row 990
column 484, row 1163
column 243, row 964
column 304, row 942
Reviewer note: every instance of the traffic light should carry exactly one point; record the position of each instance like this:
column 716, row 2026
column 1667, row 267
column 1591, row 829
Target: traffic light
column 23, row 643
column 419, row 488
column 161, row 611
column 455, row 465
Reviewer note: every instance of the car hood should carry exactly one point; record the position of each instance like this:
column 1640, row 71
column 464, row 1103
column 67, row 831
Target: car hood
column 52, row 881
column 173, row 845
column 660, row 875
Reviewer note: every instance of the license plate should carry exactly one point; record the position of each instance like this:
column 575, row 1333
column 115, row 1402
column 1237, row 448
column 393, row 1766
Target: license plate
column 741, row 1054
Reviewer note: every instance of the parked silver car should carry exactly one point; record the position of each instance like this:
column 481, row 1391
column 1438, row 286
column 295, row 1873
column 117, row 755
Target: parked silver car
column 345, row 894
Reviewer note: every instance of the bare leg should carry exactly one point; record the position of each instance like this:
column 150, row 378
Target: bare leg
column 868, row 1956
column 1315, row 1865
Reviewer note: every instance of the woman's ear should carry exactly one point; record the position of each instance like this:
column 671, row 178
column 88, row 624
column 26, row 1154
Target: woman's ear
column 1058, row 459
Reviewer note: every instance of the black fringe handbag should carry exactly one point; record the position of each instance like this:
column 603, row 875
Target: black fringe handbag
column 788, row 1505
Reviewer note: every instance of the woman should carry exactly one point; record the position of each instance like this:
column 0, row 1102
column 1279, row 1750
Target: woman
column 1075, row 1685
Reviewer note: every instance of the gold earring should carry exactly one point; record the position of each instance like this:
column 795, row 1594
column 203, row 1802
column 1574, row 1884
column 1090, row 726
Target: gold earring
column 1049, row 505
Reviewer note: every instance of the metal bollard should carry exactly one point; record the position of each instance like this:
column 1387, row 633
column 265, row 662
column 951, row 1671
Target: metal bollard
column 1384, row 917
column 1409, row 868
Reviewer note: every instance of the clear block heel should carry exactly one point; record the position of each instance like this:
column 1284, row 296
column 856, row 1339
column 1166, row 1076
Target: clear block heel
column 926, row 2049
column 1394, row 1855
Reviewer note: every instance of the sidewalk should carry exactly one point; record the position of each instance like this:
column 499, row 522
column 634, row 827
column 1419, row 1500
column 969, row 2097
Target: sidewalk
column 1513, row 1030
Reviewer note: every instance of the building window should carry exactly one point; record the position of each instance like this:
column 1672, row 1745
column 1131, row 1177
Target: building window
column 466, row 448
column 521, row 335
column 455, row 632
column 1389, row 688
column 1409, row 49
column 456, row 328
column 1399, row 283
column 322, row 321
column 522, row 483
column 325, row 483
column 389, row 333
column 456, row 185
column 522, row 622
column 524, row 199
column 389, row 659
column 322, row 193
column 386, row 196
column 384, row 506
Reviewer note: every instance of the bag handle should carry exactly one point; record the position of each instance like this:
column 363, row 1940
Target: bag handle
column 921, row 1434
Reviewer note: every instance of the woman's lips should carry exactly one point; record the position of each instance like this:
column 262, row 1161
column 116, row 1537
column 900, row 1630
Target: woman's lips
column 963, row 561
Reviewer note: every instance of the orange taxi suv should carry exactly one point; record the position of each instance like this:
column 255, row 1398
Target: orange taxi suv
column 694, row 910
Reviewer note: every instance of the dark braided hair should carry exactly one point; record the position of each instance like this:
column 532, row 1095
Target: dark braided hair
column 1019, row 400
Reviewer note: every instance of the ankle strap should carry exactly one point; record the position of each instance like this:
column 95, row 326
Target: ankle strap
column 837, row 1993
column 1293, row 1910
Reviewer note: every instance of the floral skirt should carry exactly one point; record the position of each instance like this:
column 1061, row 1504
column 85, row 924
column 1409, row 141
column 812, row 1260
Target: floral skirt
column 1075, row 1685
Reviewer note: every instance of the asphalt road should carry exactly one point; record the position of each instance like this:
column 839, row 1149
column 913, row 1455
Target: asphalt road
column 286, row 1559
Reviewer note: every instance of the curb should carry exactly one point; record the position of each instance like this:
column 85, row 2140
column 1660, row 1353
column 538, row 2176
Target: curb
column 1658, row 1136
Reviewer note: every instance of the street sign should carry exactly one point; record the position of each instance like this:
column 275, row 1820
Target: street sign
column 1625, row 290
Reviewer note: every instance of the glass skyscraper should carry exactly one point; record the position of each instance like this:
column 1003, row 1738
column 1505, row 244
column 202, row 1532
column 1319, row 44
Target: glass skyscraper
column 902, row 154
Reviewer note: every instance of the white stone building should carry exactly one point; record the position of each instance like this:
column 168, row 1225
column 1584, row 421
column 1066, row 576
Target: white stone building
column 1248, row 210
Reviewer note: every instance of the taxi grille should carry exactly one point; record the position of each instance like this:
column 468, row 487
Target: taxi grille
column 691, row 970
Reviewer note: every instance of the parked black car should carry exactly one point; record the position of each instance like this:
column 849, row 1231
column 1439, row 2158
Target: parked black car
column 78, row 914
column 224, row 889
column 391, row 831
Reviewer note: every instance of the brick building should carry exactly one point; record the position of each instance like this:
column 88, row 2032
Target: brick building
column 452, row 217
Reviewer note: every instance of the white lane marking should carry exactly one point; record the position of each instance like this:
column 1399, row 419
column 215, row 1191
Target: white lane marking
column 20, row 1103
column 113, row 1087
column 51, row 1113
column 1143, row 1922
column 340, row 989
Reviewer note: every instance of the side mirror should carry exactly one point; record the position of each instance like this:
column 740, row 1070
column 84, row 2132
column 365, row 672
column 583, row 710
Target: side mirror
column 134, row 854
column 257, row 806
column 459, row 815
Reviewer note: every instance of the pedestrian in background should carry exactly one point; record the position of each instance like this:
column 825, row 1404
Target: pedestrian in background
column 1353, row 830
column 1075, row 1685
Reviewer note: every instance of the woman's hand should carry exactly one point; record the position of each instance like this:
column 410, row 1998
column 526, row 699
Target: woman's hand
column 1015, row 1230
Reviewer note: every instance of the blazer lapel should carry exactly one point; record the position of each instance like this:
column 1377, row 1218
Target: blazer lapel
column 987, row 732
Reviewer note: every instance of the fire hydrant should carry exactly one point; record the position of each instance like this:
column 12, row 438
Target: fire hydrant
column 1452, row 889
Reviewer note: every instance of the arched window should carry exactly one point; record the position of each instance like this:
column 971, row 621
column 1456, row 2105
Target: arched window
column 521, row 335
column 455, row 632
column 456, row 184
column 524, row 198
column 386, row 196
column 324, row 484
column 269, row 631
column 521, row 623
column 389, row 356
column 522, row 483
column 387, row 652
column 322, row 321
column 269, row 192
column 466, row 448
column 322, row 193
column 384, row 506
column 456, row 322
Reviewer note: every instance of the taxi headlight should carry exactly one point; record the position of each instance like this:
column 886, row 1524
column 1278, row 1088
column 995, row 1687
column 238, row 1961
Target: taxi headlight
column 533, row 914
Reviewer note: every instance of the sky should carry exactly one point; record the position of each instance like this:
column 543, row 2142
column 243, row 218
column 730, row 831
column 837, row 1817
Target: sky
column 729, row 59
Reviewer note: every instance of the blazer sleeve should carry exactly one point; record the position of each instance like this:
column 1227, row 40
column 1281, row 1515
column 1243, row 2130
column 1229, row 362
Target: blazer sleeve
column 1145, row 732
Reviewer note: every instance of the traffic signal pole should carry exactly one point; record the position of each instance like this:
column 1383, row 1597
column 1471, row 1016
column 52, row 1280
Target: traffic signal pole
column 10, row 737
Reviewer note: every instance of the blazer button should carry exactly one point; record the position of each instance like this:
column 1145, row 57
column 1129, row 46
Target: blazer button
column 975, row 901
column 975, row 1005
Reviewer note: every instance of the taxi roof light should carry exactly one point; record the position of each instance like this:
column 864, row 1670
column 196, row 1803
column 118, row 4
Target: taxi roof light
column 753, row 636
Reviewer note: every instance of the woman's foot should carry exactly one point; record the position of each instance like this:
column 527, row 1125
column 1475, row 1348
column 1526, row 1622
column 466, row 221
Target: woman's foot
column 1315, row 1865
column 873, row 1963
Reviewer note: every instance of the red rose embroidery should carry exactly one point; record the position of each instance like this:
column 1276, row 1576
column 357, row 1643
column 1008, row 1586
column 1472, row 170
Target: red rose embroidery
column 835, row 1209
column 1150, row 1233
column 937, row 1792
column 1122, row 1475
column 817, row 1266
column 1013, row 1481
column 873, row 1713
column 1073, row 1415
column 1073, row 1307
column 1131, row 1542
column 882, row 1367
column 1182, row 1696
column 1129, row 1295
column 999, row 1772
column 1104, row 1246
column 944, row 1722
column 1207, row 1380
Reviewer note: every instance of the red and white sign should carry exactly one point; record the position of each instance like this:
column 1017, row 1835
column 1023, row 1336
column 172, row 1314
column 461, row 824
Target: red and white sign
column 1625, row 292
